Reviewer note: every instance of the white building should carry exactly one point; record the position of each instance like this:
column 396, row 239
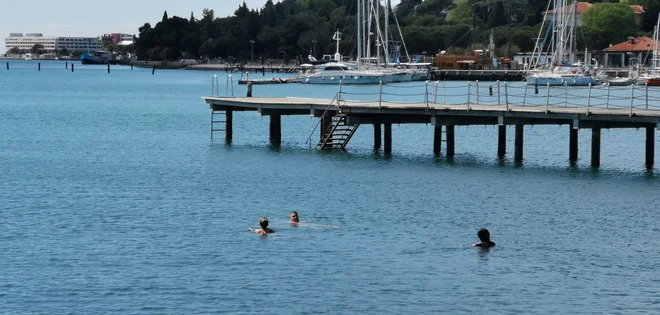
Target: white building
column 53, row 44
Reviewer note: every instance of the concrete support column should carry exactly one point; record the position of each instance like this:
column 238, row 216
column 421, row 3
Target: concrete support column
column 275, row 129
column 450, row 141
column 595, row 147
column 650, row 147
column 388, row 138
column 520, row 134
column 326, row 121
column 229, row 125
column 501, row 141
column 573, row 145
column 378, row 136
column 437, row 140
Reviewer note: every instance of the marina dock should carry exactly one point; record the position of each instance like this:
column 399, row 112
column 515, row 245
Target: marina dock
column 496, row 104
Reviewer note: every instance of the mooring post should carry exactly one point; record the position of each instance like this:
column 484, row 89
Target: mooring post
column 72, row 67
column 450, row 141
column 275, row 129
column 153, row 70
column 131, row 65
column 650, row 147
column 437, row 139
column 388, row 138
column 468, row 95
column 520, row 133
column 39, row 67
column 595, row 147
column 501, row 141
column 377, row 136
column 7, row 65
column 229, row 124
column 108, row 68
column 249, row 89
column 573, row 144
column 66, row 65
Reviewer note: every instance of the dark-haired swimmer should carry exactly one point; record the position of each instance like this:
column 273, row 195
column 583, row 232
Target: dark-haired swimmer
column 484, row 237
column 263, row 222
column 294, row 218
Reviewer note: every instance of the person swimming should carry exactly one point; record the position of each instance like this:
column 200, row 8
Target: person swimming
column 294, row 218
column 484, row 237
column 263, row 222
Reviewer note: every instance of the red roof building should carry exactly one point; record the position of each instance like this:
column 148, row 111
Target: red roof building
column 636, row 50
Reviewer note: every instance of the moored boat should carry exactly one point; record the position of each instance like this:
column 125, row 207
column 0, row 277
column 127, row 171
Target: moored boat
column 98, row 58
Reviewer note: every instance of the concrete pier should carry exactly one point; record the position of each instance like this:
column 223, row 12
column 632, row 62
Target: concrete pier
column 378, row 136
column 518, row 146
column 595, row 147
column 451, row 151
column 437, row 139
column 275, row 129
column 501, row 113
column 388, row 138
column 650, row 147
column 501, row 141
column 573, row 144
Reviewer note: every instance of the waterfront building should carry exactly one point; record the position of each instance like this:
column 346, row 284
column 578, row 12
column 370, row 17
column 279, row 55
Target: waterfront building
column 634, row 51
column 583, row 7
column 53, row 43
column 117, row 38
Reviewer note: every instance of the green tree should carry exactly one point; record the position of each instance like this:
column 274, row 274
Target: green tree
column 37, row 49
column 610, row 18
column 650, row 15
column 14, row 51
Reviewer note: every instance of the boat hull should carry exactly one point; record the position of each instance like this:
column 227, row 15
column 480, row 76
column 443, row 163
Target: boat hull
column 560, row 81
column 652, row 81
column 357, row 79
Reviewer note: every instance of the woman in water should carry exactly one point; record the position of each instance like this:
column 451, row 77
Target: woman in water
column 484, row 237
column 263, row 222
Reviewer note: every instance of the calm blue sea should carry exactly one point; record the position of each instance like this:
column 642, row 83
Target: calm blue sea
column 114, row 200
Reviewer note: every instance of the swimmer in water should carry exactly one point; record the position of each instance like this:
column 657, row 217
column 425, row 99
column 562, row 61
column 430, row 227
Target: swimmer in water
column 484, row 237
column 263, row 222
column 294, row 218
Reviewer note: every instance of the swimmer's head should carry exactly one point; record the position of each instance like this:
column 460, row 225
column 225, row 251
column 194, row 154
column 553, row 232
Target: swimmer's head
column 263, row 222
column 294, row 216
column 484, row 235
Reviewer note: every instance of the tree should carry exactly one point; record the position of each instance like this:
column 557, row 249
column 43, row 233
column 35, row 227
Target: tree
column 14, row 51
column 650, row 15
column 64, row 52
column 165, row 17
column 37, row 49
column 610, row 18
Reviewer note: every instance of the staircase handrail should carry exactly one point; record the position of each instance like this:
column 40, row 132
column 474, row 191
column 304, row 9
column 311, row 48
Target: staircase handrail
column 309, row 139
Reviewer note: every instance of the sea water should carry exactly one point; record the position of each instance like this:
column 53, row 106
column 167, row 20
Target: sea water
column 114, row 200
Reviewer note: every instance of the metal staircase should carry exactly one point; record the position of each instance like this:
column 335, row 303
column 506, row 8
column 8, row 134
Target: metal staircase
column 338, row 133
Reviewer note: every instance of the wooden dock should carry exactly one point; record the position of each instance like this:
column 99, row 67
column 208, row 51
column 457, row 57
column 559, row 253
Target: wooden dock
column 340, row 117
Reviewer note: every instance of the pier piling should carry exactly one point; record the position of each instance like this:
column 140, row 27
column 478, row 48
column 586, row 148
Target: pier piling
column 39, row 66
column 131, row 65
column 153, row 70
column 501, row 141
column 388, row 138
column 7, row 65
column 650, row 147
column 229, row 125
column 249, row 89
column 437, row 140
column 520, row 133
column 450, row 141
column 275, row 129
column 72, row 68
column 573, row 144
column 66, row 65
column 326, row 122
column 108, row 68
column 378, row 136
column 595, row 147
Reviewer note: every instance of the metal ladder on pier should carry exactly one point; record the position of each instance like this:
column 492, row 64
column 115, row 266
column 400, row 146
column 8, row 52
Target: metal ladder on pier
column 338, row 133
column 218, row 121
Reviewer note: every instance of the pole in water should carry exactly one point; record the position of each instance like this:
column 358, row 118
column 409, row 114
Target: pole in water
column 153, row 70
column 7, row 65
column 72, row 68
column 108, row 68
column 39, row 66
column 66, row 65
column 536, row 88
column 249, row 89
column 131, row 65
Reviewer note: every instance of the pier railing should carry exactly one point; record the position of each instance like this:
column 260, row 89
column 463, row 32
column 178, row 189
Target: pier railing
column 431, row 93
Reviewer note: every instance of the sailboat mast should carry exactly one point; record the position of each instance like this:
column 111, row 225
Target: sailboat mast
column 369, row 15
column 387, row 26
column 359, row 33
column 379, row 45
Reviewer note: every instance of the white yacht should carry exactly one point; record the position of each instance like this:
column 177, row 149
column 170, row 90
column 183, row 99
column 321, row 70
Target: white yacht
column 333, row 72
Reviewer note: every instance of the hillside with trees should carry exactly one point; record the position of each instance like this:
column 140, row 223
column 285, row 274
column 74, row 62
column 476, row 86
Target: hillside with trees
column 292, row 29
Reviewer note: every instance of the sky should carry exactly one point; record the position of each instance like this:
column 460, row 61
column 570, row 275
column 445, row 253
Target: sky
column 53, row 18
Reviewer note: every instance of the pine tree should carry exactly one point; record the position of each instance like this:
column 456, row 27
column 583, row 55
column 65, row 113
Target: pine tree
column 165, row 17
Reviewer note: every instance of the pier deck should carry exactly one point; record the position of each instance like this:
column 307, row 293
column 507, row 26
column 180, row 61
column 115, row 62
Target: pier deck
column 642, row 112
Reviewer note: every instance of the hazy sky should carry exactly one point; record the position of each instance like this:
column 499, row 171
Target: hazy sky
column 56, row 18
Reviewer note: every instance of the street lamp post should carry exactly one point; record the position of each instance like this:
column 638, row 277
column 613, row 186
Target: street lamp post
column 314, row 47
column 252, row 50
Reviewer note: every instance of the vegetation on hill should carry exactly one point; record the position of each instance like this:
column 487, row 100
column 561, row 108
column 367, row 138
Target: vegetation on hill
column 293, row 29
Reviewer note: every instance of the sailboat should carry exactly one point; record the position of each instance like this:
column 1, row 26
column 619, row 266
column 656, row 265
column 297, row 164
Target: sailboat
column 562, row 35
column 653, row 79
